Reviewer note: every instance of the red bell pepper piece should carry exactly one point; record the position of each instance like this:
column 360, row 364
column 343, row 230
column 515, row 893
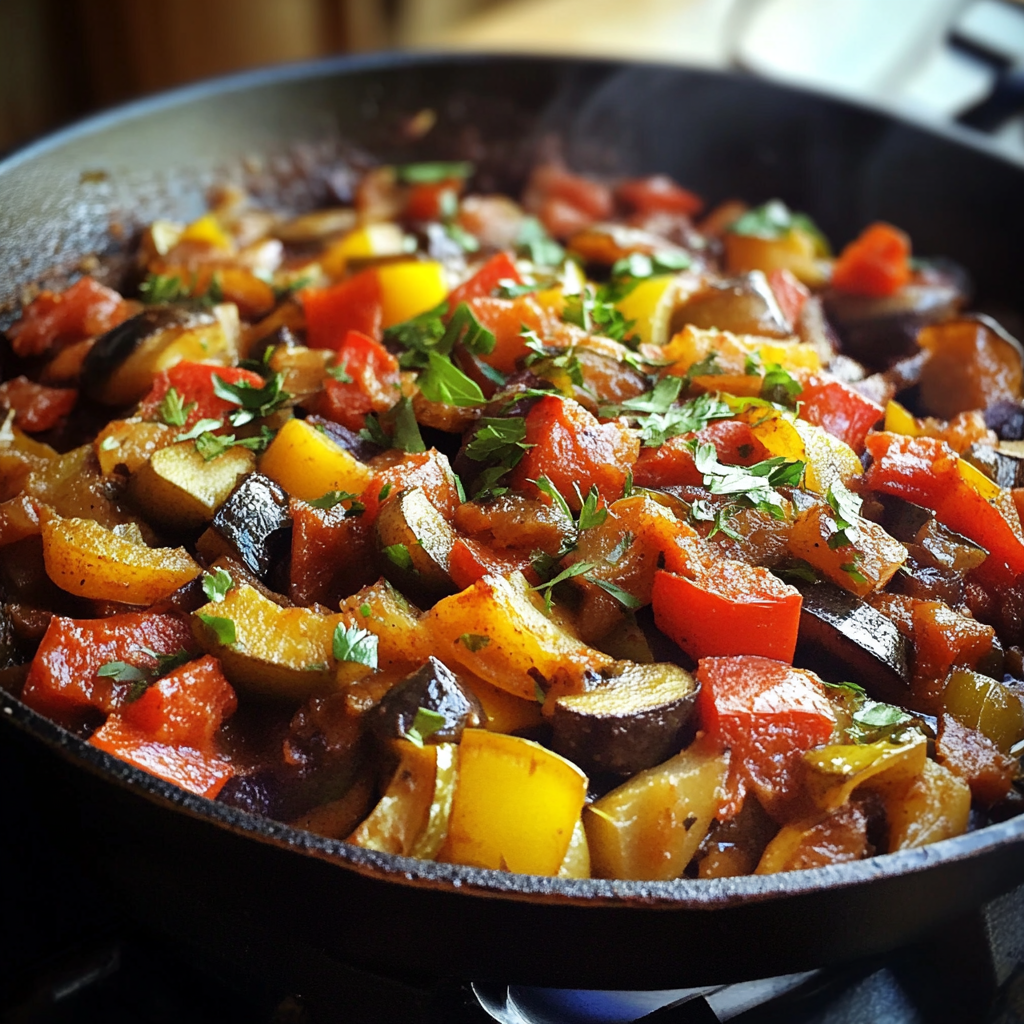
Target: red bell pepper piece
column 428, row 201
column 590, row 198
column 837, row 408
column 498, row 268
column 877, row 263
column 352, row 305
column 169, row 731
column 193, row 383
column 924, row 470
column 658, row 194
column 82, row 311
column 469, row 560
column 725, row 607
column 36, row 407
column 769, row 714
column 505, row 319
column 396, row 471
column 672, row 462
column 570, row 448
column 373, row 387
column 63, row 680
column 332, row 555
column 789, row 293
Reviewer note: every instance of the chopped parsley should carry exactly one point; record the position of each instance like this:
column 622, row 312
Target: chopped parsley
column 659, row 417
column 424, row 725
column 640, row 265
column 846, row 508
column 399, row 555
column 405, row 431
column 334, row 498
column 442, row 381
column 172, row 409
column 594, row 310
column 753, row 485
column 434, row 172
column 216, row 585
column 775, row 220
column 500, row 444
column 222, row 628
column 253, row 402
column 339, row 372
column 537, row 245
column 351, row 643
column 779, row 385
column 474, row 641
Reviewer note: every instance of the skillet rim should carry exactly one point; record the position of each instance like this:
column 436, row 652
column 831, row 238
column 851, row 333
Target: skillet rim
column 679, row 894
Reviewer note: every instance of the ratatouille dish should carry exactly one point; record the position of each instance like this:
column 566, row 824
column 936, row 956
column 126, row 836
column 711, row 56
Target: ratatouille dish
column 589, row 534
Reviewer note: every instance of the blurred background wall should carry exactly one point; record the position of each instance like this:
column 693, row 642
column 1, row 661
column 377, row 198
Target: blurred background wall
column 963, row 59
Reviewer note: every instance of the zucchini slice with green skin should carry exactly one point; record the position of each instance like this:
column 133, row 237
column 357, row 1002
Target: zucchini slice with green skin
column 415, row 543
column 636, row 720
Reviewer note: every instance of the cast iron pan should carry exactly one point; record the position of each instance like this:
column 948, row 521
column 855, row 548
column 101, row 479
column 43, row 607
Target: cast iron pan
column 217, row 874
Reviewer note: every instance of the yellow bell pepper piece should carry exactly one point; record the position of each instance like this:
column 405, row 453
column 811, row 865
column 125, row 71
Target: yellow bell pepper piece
column 693, row 344
column 409, row 288
column 837, row 770
column 308, row 464
column 650, row 306
column 207, row 229
column 987, row 488
column 383, row 239
column 87, row 560
column 516, row 805
column 899, row 420
column 828, row 458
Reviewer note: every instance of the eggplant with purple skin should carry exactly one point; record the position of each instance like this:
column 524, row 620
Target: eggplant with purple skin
column 415, row 542
column 880, row 331
column 843, row 637
column 433, row 688
column 743, row 305
column 635, row 719
column 253, row 523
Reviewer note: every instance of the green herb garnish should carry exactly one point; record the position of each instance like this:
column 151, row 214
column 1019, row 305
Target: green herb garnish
column 216, row 585
column 350, row 643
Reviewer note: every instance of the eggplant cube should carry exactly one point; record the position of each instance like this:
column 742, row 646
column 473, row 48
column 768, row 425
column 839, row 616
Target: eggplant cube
column 255, row 522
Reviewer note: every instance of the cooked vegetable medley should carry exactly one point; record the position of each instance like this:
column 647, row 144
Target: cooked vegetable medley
column 591, row 534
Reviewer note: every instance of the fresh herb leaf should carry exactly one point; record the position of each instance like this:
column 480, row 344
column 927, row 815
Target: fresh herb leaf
column 659, row 418
column 545, row 486
column 880, row 716
column 399, row 554
column 173, row 410
column 365, row 610
column 701, row 511
column 443, row 381
column 775, row 220
column 407, row 431
column 351, row 643
column 223, row 629
column 122, row 672
column 216, row 585
column 625, row 542
column 459, row 235
column 421, row 333
column 339, row 372
column 211, row 445
column 253, row 402
column 434, row 172
column 460, row 489
column 846, row 507
column 596, row 313
column 474, row 641
column 537, row 245
column 167, row 662
column 509, row 289
column 753, row 484
column 384, row 491
column 109, row 443
column 202, row 426
column 576, row 569
column 334, row 498
column 626, row 599
column 374, row 432
column 464, row 329
column 627, row 487
column 706, row 367
column 779, row 385
column 640, row 265
column 797, row 571
column 851, row 570
column 499, row 440
column 160, row 288
column 590, row 514
column 424, row 725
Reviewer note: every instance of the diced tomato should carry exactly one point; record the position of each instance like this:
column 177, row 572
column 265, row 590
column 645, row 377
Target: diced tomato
column 373, row 387
column 63, row 681
column 590, row 198
column 789, row 293
column 505, row 319
column 769, row 714
column 352, row 305
column 470, row 560
column 193, row 383
column 658, row 193
column 203, row 774
column 943, row 638
column 498, row 268
column 876, row 263
column 185, row 707
column 925, row 470
column 85, row 309
column 570, row 448
column 433, row 200
column 332, row 555
column 723, row 607
column 837, row 408
column 672, row 462
column 36, row 407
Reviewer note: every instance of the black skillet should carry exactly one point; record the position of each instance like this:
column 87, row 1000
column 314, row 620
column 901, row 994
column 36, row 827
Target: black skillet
column 219, row 875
